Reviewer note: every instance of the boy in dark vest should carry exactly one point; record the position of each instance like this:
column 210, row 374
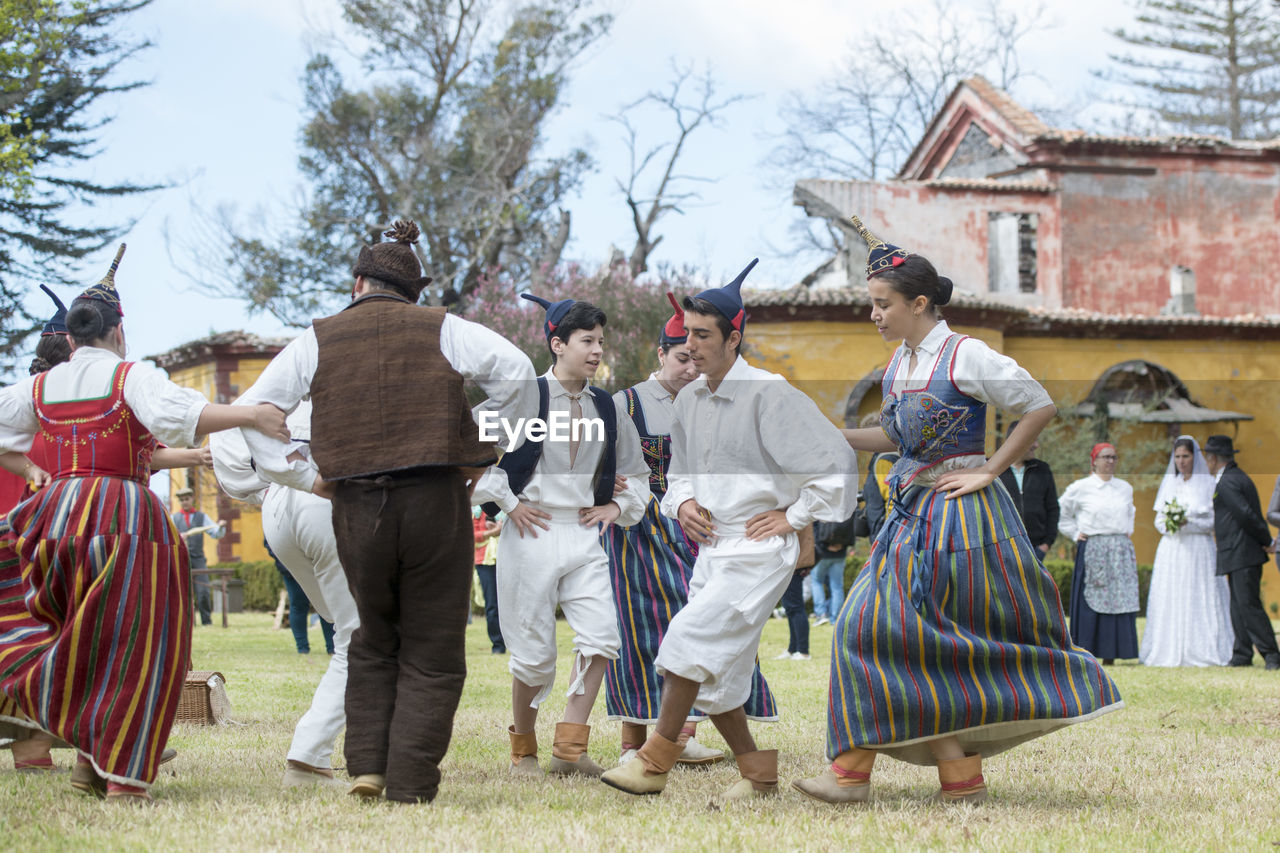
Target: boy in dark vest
column 556, row 493
column 394, row 442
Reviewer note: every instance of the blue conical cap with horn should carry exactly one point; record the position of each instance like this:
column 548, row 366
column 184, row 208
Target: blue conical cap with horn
column 881, row 256
column 555, row 311
column 57, row 324
column 105, row 290
column 728, row 299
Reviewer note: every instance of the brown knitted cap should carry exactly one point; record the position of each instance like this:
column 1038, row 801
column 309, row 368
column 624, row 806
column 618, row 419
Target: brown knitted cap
column 394, row 262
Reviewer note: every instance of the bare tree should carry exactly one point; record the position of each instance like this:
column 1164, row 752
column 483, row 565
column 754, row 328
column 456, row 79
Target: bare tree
column 688, row 112
column 863, row 122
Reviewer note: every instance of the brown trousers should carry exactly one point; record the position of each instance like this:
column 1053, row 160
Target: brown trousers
column 406, row 545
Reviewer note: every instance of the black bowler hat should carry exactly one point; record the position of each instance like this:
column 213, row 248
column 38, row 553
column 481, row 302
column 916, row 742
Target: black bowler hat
column 1219, row 445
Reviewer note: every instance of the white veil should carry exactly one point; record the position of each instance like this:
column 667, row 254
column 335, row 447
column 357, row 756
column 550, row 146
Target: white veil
column 1202, row 482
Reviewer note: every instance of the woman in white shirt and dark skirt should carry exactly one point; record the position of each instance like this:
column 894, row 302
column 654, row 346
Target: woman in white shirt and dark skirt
column 1097, row 513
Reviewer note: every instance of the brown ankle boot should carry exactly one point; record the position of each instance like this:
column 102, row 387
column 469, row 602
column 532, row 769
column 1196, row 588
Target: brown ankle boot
column 524, row 753
column 569, row 752
column 647, row 772
column 759, row 771
column 847, row 781
column 961, row 780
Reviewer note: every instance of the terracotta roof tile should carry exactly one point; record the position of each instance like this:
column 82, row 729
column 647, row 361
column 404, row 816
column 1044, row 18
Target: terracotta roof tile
column 857, row 296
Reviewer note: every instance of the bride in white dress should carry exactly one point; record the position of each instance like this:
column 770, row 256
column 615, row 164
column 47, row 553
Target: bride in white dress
column 1188, row 607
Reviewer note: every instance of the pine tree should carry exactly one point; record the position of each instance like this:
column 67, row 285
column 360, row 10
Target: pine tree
column 1207, row 66
column 58, row 58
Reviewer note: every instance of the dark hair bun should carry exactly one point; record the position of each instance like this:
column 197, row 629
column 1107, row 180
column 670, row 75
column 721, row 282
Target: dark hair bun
column 39, row 365
column 90, row 320
column 944, row 290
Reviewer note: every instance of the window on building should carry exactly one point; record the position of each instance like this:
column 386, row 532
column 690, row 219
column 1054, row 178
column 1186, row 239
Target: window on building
column 1011, row 252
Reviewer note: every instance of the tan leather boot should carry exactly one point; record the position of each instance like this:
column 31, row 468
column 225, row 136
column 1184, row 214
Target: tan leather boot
column 961, row 780
column 847, row 781
column 569, row 752
column 524, row 753
column 759, row 771
column 647, row 772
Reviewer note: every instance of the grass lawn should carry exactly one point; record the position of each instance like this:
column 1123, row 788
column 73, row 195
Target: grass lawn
column 1192, row 763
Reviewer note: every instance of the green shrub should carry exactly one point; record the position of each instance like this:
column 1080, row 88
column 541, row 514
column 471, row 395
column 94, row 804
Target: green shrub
column 1059, row 570
column 262, row 583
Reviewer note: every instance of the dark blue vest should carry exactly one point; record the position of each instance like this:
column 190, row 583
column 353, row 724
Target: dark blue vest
column 521, row 462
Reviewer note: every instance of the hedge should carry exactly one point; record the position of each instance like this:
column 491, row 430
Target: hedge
column 1060, row 570
column 262, row 583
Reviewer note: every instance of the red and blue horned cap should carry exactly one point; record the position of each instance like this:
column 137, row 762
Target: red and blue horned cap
column 881, row 256
column 555, row 311
column 728, row 299
column 57, row 324
column 674, row 334
column 105, row 290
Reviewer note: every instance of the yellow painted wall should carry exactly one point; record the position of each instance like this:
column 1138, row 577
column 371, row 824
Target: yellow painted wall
column 249, row 524
column 827, row 359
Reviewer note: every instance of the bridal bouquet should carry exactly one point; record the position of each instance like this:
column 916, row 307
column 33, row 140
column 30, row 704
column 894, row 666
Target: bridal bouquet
column 1175, row 515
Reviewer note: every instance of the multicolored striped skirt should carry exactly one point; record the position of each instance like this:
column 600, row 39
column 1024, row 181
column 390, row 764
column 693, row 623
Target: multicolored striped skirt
column 955, row 628
column 650, row 565
column 97, row 652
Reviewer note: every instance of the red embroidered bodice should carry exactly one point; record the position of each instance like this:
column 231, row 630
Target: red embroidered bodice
column 98, row 437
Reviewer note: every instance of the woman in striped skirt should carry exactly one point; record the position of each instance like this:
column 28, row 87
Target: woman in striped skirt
column 952, row 643
column 651, row 563
column 100, row 658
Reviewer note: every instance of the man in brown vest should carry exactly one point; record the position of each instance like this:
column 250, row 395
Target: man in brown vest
column 395, row 443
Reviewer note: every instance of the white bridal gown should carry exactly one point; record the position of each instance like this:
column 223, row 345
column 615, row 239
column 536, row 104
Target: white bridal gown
column 1188, row 607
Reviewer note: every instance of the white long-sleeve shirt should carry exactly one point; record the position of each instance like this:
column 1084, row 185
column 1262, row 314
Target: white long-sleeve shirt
column 657, row 403
column 756, row 444
column 169, row 411
column 557, row 485
column 495, row 364
column 1096, row 507
column 978, row 371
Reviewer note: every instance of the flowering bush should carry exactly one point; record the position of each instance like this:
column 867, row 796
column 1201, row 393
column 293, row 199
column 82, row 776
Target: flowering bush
column 636, row 312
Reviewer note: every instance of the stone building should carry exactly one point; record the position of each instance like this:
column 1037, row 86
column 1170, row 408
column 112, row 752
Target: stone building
column 221, row 367
column 1131, row 273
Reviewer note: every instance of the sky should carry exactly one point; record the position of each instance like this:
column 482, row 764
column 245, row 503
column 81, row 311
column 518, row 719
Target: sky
column 221, row 117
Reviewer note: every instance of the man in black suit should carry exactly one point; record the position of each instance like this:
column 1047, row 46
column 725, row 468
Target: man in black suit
column 1029, row 482
column 1244, row 541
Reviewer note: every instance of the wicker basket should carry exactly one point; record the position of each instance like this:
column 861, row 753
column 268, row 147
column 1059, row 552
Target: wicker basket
column 194, row 705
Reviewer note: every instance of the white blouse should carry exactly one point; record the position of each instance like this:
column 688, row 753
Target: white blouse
column 1096, row 507
column 657, row 403
column 169, row 411
column 556, row 484
column 978, row 371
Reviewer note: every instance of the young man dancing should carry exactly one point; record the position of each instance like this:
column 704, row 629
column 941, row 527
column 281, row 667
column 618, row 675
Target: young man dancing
column 753, row 461
column 556, row 494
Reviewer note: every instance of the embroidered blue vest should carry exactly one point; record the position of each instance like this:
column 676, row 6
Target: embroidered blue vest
column 656, row 448
column 932, row 422
column 520, row 463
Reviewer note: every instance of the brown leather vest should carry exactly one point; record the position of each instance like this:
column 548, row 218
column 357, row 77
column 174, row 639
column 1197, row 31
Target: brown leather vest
column 384, row 397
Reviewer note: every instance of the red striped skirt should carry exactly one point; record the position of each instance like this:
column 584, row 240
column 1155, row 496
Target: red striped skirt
column 95, row 635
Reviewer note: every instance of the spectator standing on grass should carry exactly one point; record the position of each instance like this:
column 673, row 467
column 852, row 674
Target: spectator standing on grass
column 1029, row 482
column 1097, row 514
column 486, row 530
column 793, row 602
column 1244, row 543
column 832, row 540
column 1189, row 604
column 193, row 525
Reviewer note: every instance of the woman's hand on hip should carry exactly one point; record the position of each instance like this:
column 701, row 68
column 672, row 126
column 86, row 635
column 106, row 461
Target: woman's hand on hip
column 964, row 482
